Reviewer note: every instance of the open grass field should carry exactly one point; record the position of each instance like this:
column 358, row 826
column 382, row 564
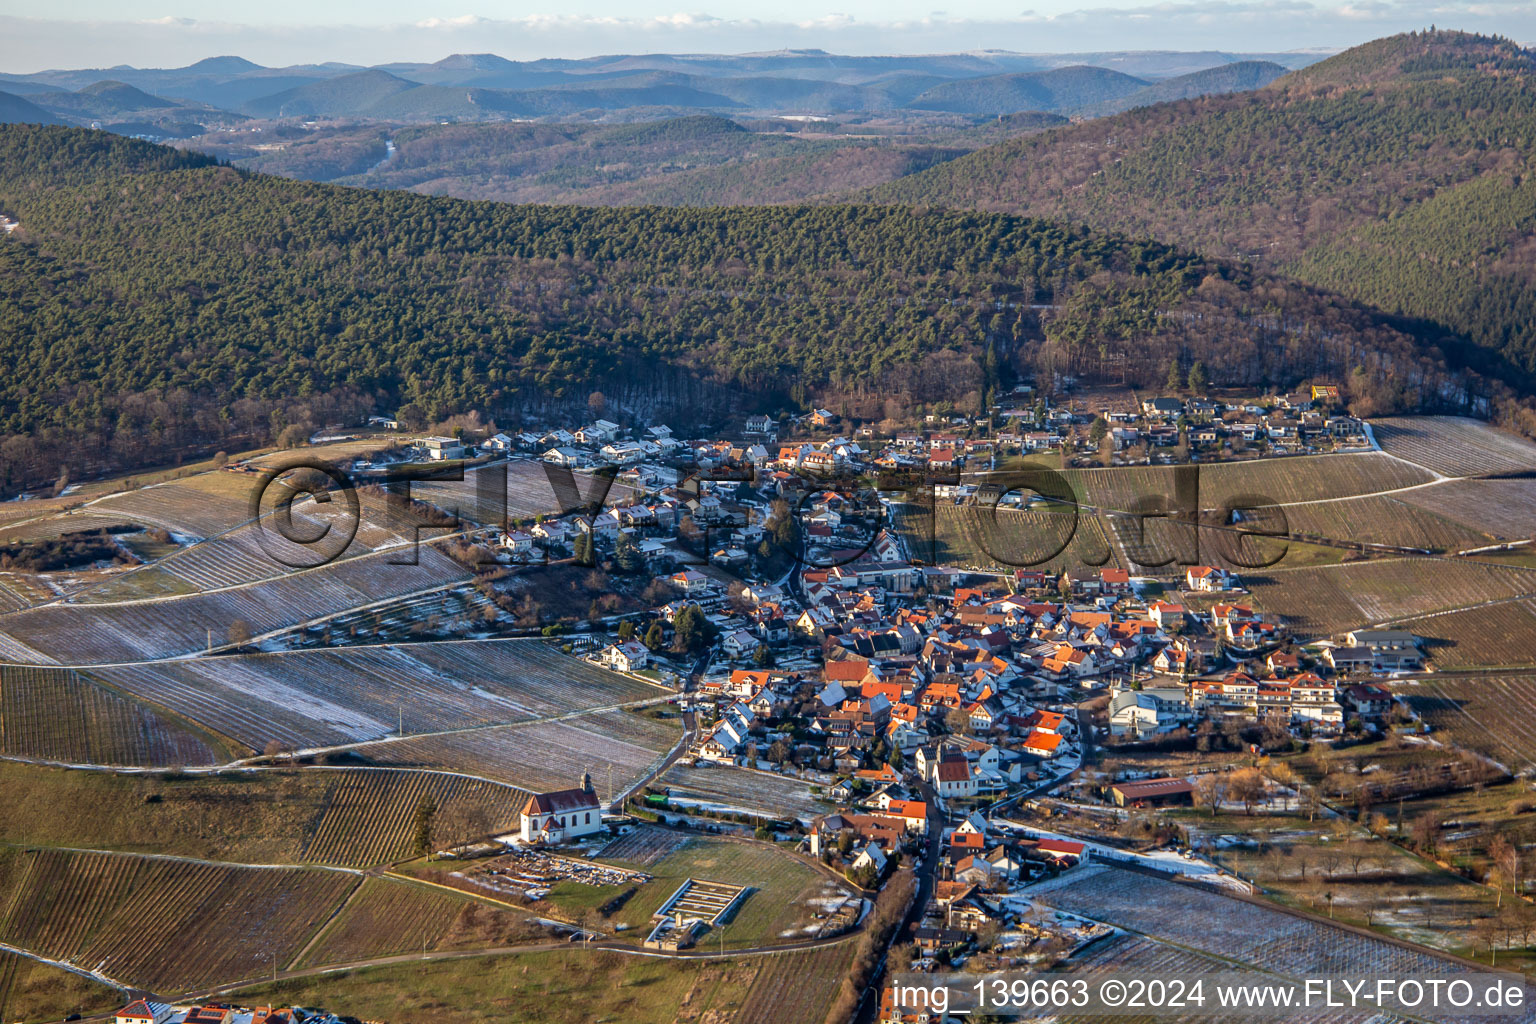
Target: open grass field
column 1331, row 599
column 132, row 631
column 1001, row 539
column 1454, row 446
column 787, row 892
column 1496, row 636
column 1493, row 714
column 160, row 924
column 1245, row 933
column 545, row 755
column 354, row 817
column 58, row 715
column 33, row 991
column 733, row 789
column 327, row 697
column 387, row 916
column 567, row 986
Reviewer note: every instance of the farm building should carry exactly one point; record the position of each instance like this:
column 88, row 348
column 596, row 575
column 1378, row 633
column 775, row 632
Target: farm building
column 1153, row 793
column 562, row 815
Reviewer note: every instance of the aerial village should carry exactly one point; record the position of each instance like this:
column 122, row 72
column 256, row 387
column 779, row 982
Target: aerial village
column 928, row 707
column 849, row 700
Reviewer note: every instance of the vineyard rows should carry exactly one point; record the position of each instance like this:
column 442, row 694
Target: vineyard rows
column 180, row 507
column 1000, row 538
column 795, row 986
column 645, row 845
column 161, row 924
column 1498, row 636
column 1452, row 446
column 1505, row 508
column 57, row 715
column 1235, row 930
column 1383, row 520
column 85, row 634
column 1332, row 599
column 385, row 918
column 733, row 789
column 1280, row 481
column 545, row 755
column 1493, row 714
column 528, row 494
column 1128, row 956
column 369, row 815
column 259, row 551
column 346, row 695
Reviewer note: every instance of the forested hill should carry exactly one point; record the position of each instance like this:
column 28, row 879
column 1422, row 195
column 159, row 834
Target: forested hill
column 155, row 303
column 1397, row 173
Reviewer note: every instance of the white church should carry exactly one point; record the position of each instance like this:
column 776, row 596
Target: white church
column 563, row 815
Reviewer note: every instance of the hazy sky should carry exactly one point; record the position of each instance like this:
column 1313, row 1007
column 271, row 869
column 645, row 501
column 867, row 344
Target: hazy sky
column 171, row 33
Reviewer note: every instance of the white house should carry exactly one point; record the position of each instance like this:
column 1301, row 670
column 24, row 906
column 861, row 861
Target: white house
column 1207, row 579
column 440, row 448
column 740, row 643
column 563, row 815
column 1149, row 712
column 952, row 777
column 729, row 734
column 564, row 456
column 626, row 657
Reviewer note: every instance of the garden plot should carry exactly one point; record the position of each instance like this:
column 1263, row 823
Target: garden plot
column 539, row 756
column 1454, row 446
column 735, row 790
column 643, row 845
column 1235, row 930
column 57, row 715
column 172, row 626
column 317, row 698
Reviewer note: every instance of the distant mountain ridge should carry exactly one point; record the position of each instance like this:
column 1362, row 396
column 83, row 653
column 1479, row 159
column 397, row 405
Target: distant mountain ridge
column 803, row 81
column 1393, row 172
column 1056, row 91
